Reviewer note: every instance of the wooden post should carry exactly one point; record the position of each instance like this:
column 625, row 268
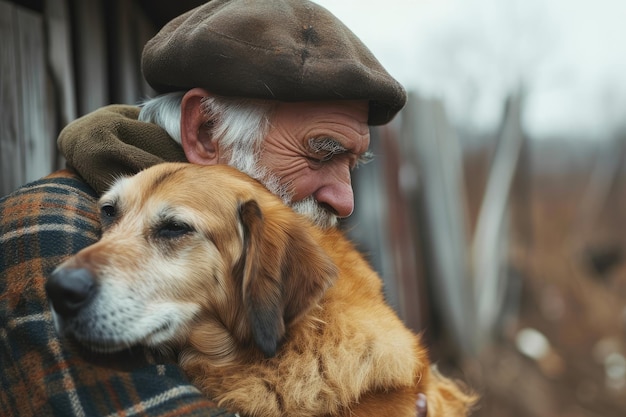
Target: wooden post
column 429, row 141
column 12, row 171
column 60, row 60
column 91, row 75
column 489, row 247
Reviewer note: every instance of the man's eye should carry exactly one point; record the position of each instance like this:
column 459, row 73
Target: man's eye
column 172, row 229
column 326, row 157
column 316, row 160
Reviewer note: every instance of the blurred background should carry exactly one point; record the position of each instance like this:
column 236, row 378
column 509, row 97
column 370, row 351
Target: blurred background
column 494, row 210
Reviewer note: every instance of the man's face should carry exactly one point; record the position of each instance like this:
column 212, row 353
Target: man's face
column 311, row 149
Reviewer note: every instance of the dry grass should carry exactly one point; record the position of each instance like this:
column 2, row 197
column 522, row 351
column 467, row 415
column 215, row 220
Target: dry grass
column 579, row 307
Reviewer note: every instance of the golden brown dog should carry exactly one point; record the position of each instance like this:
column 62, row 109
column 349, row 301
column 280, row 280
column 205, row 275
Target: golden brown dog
column 271, row 315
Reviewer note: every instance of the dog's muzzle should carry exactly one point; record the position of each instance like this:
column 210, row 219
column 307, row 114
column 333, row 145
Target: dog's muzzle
column 70, row 289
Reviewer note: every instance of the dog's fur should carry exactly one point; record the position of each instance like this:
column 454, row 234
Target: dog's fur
column 271, row 315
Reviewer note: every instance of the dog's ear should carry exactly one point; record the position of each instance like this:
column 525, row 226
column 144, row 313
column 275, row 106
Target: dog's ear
column 285, row 272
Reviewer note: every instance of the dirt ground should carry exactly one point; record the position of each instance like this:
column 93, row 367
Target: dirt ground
column 568, row 283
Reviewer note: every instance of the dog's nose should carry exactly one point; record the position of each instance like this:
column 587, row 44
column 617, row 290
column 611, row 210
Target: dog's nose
column 70, row 289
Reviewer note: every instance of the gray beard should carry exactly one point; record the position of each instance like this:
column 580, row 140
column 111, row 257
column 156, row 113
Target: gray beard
column 314, row 211
column 307, row 207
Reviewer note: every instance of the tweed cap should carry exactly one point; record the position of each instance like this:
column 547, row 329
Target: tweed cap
column 288, row 50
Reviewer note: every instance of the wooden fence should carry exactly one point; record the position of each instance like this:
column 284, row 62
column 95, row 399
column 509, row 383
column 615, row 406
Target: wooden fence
column 26, row 138
column 58, row 62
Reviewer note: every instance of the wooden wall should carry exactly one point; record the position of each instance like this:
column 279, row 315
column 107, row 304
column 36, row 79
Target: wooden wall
column 25, row 135
column 60, row 59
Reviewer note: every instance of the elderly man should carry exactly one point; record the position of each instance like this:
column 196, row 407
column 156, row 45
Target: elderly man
column 280, row 89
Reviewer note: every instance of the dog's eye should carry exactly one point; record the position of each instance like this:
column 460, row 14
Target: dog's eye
column 172, row 229
column 107, row 211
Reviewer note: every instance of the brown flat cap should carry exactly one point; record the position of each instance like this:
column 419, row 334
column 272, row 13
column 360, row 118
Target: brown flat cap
column 288, row 50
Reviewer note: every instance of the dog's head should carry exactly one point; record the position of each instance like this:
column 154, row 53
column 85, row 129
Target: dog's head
column 191, row 255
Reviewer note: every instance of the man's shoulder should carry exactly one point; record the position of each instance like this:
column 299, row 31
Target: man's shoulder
column 48, row 218
column 62, row 182
column 51, row 199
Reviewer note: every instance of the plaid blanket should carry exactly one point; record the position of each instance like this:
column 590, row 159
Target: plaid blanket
column 40, row 225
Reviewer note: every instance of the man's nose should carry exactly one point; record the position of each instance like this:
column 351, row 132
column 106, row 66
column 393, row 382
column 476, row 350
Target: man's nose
column 337, row 195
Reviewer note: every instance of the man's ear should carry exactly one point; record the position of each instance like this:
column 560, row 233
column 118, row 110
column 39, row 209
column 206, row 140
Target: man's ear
column 196, row 139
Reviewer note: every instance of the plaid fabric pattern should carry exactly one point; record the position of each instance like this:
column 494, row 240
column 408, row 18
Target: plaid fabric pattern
column 41, row 225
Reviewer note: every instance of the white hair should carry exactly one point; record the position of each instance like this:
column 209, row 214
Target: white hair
column 239, row 126
column 164, row 111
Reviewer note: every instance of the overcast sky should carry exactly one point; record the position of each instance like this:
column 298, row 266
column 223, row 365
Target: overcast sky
column 570, row 56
